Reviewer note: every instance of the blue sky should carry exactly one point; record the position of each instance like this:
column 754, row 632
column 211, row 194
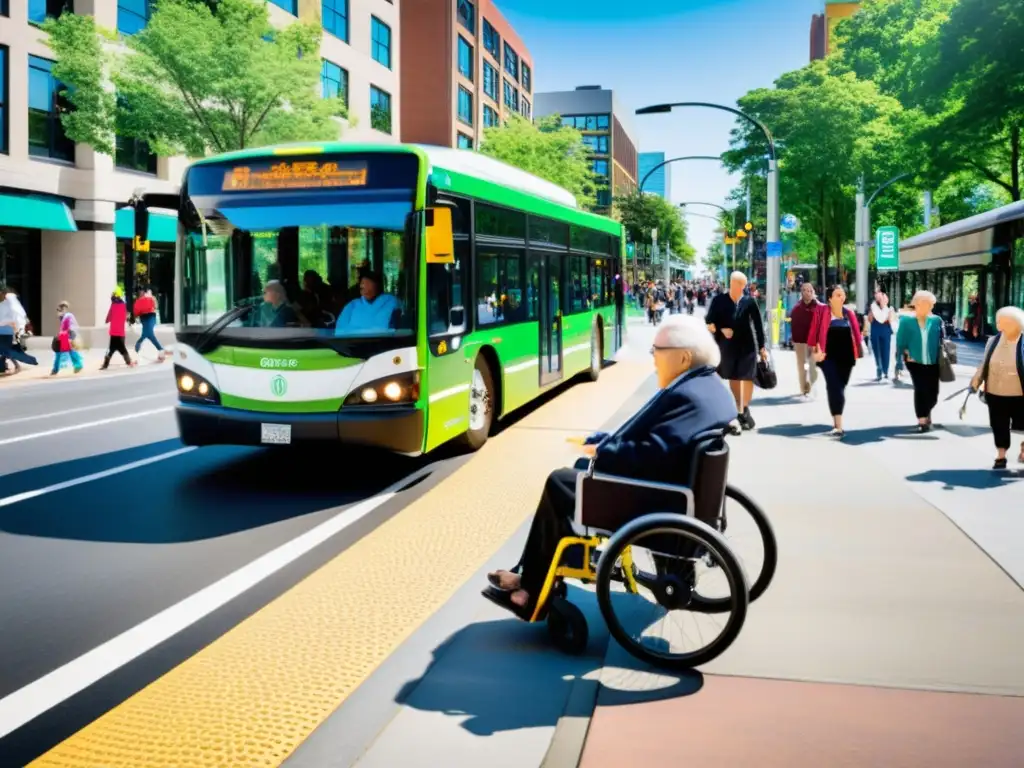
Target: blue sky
column 656, row 51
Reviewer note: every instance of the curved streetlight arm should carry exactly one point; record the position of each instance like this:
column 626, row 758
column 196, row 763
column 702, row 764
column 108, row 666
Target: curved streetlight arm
column 663, row 163
column 661, row 108
column 884, row 187
column 722, row 208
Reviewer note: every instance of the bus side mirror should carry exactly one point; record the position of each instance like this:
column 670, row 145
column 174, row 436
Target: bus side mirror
column 440, row 240
column 141, row 222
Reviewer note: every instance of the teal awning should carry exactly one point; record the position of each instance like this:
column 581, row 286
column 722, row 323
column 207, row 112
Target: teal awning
column 30, row 212
column 163, row 227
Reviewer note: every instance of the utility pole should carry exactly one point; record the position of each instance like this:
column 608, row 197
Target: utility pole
column 860, row 237
column 750, row 239
column 773, row 254
column 928, row 209
column 654, row 250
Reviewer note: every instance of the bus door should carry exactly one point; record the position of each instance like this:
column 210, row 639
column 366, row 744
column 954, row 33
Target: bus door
column 550, row 318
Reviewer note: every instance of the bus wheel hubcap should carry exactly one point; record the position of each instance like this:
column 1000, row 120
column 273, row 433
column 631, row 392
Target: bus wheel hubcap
column 479, row 402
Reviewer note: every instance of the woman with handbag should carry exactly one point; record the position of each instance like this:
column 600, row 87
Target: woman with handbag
column 919, row 344
column 836, row 339
column 1001, row 373
column 64, row 346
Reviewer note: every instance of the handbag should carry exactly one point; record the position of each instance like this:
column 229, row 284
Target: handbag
column 947, row 358
column 764, row 374
column 55, row 343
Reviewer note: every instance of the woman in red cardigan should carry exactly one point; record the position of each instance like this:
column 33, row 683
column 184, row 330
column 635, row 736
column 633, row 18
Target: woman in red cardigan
column 835, row 337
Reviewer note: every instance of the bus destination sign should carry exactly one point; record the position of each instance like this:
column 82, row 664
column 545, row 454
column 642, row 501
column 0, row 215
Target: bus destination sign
column 300, row 174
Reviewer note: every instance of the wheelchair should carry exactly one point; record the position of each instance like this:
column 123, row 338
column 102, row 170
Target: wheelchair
column 657, row 538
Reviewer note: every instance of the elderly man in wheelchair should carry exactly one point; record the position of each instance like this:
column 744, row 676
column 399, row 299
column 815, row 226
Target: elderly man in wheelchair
column 660, row 478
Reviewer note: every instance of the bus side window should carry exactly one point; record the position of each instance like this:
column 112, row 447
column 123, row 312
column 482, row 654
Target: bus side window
column 445, row 288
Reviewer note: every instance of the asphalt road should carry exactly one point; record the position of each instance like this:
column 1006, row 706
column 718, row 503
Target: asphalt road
column 106, row 520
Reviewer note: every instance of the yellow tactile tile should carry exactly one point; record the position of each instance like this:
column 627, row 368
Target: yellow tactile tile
column 252, row 696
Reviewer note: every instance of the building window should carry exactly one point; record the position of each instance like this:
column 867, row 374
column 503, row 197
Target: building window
column 134, row 155
column 597, row 144
column 465, row 142
column 381, row 34
column 511, row 62
column 132, row 16
column 465, row 106
column 3, row 98
column 380, row 110
column 492, row 41
column 601, row 167
column 333, row 82
column 4, row 10
column 292, row 6
column 511, row 96
column 527, row 78
column 335, row 18
column 604, row 198
column 490, row 117
column 490, row 81
column 467, row 15
column 46, row 136
column 526, row 108
column 465, row 59
column 41, row 10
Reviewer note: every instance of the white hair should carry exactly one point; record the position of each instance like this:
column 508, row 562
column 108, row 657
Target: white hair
column 926, row 296
column 738, row 277
column 690, row 333
column 1015, row 313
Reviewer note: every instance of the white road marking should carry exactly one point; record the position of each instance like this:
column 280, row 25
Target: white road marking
column 97, row 406
column 87, row 425
column 7, row 501
column 27, row 703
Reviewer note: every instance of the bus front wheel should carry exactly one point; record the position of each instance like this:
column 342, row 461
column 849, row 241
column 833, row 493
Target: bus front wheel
column 481, row 405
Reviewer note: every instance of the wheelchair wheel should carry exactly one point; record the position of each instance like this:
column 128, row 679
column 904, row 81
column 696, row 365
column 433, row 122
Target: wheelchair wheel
column 567, row 626
column 670, row 554
column 746, row 529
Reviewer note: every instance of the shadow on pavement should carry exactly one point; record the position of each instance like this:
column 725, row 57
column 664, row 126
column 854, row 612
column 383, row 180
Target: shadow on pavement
column 776, row 400
column 854, row 437
column 978, row 479
column 202, row 494
column 505, row 675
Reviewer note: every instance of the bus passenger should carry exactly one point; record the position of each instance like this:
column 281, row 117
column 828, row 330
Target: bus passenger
column 371, row 312
column 276, row 312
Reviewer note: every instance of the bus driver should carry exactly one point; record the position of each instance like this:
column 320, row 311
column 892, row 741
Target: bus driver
column 371, row 312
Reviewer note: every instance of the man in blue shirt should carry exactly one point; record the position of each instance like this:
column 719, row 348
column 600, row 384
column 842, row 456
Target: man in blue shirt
column 371, row 312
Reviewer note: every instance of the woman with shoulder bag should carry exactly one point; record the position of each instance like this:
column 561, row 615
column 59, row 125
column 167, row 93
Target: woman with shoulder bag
column 919, row 344
column 836, row 340
column 1001, row 374
column 65, row 348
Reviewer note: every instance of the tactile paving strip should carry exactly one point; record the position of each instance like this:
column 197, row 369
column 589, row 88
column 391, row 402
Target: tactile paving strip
column 251, row 697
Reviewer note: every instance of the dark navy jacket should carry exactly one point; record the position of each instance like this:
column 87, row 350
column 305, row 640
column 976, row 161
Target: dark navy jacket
column 658, row 443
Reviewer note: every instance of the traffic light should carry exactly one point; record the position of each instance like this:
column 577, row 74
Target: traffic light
column 748, row 226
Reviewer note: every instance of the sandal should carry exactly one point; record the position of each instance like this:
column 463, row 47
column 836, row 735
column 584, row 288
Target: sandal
column 503, row 599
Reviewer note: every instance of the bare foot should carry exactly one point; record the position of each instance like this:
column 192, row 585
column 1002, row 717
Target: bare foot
column 504, row 579
column 520, row 598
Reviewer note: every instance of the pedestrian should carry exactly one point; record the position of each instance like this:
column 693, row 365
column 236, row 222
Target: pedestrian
column 145, row 311
column 65, row 343
column 735, row 322
column 836, row 337
column 117, row 320
column 1001, row 374
column 801, row 317
column 13, row 321
column 918, row 342
column 880, row 320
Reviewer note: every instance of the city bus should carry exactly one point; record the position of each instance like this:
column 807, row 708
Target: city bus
column 393, row 296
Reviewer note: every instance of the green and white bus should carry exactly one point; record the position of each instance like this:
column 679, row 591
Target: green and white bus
column 393, row 296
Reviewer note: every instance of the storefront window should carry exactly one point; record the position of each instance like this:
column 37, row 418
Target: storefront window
column 20, row 267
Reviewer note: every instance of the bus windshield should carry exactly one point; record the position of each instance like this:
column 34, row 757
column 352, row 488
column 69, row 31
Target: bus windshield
column 272, row 257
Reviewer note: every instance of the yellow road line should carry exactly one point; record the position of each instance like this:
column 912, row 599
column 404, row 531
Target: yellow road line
column 253, row 695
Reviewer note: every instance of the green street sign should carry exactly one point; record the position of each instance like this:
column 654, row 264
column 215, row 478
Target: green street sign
column 887, row 249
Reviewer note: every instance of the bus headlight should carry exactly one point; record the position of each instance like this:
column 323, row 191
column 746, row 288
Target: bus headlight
column 393, row 390
column 193, row 388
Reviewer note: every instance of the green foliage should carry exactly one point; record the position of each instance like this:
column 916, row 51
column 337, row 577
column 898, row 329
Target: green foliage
column 195, row 80
column 640, row 214
column 546, row 149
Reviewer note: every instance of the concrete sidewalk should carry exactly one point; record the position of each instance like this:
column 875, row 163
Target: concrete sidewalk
column 889, row 637
column 92, row 359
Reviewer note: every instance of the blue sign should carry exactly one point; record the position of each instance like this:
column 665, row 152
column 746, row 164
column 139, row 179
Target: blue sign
column 774, row 250
column 789, row 223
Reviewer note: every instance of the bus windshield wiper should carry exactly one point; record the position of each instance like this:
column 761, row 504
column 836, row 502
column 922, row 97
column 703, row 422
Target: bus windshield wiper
column 203, row 343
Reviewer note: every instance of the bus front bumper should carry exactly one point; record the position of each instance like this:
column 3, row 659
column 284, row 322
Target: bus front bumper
column 393, row 429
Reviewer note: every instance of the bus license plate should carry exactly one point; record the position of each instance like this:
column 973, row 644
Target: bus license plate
column 276, row 434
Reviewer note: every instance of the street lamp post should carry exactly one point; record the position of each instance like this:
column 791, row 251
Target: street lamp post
column 774, row 245
column 862, row 236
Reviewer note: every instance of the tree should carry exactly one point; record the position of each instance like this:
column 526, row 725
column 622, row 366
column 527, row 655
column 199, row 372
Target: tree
column 199, row 78
column 640, row 214
column 548, row 149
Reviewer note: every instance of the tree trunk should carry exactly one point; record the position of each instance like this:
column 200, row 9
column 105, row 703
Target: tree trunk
column 1015, row 162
